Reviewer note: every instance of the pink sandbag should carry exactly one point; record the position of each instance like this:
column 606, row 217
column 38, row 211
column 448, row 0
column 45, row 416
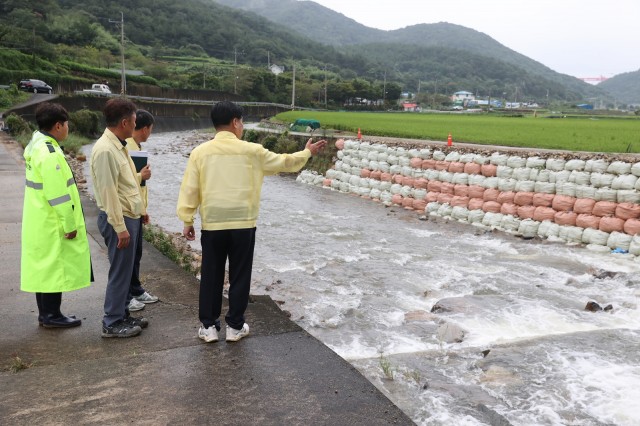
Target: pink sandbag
column 461, row 190
column 506, row 197
column 489, row 170
column 526, row 212
column 476, row 191
column 472, row 168
column 407, row 181
column 434, row 185
column 563, row 203
column 523, row 198
column 397, row 179
column 407, row 203
column 565, row 218
column 588, row 221
column 326, row 182
column 475, row 204
column 458, row 201
column 376, row 174
column 611, row 224
column 444, row 198
column 340, row 144
column 509, row 208
column 419, row 205
column 604, row 208
column 628, row 211
column 543, row 200
column 442, row 165
column 584, row 206
column 447, row 188
column 490, row 194
column 416, row 163
column 428, row 164
column 632, row 226
column 491, row 207
column 543, row 213
column 386, row 177
column 456, row 167
column 365, row 173
column 432, row 197
column 397, row 199
column 420, row 183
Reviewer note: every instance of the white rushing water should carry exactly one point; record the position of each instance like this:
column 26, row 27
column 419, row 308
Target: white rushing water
column 363, row 279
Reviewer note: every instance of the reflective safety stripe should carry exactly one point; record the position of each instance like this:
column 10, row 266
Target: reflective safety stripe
column 71, row 181
column 34, row 185
column 59, row 200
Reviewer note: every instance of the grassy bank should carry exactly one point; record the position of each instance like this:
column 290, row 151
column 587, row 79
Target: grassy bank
column 573, row 133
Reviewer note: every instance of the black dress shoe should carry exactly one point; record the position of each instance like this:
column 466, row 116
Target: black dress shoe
column 40, row 318
column 60, row 321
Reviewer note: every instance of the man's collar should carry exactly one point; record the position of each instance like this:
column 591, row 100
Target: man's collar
column 114, row 138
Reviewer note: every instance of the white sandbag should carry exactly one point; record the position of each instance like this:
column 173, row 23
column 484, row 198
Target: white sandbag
column 561, row 176
column 525, row 186
column 467, row 158
column 386, row 197
column 618, row 240
column 460, row 213
column 453, row 156
column 372, row 156
column 476, row 180
column 438, row 155
column 418, row 194
column 406, row 191
column 340, row 154
column 425, row 154
column 383, row 156
column 635, row 169
column 365, row 146
column 364, row 192
column 585, row 191
column 475, row 216
column 396, row 188
column 606, row 194
column 385, row 186
column 355, row 180
column 375, row 194
column 407, row 171
column 445, row 176
column 566, row 188
column 374, row 183
column 536, row 163
column 628, row 196
column 432, row 174
column 355, row 170
column 445, row 210
column 351, row 144
column 365, row 182
column 555, row 164
column 510, row 223
column 331, row 173
column 545, row 187
column 335, row 184
column 492, row 220
column 571, row 234
column 392, row 159
column 344, row 187
column 634, row 246
column 515, row 162
column 533, row 174
column 505, row 185
column 596, row 166
column 544, row 175
column 627, row 181
column 432, row 207
column 595, row 236
column 481, row 159
column 384, row 166
column 575, row 165
column 380, row 147
column 619, row 168
column 374, row 165
column 395, row 169
column 460, row 179
column 504, row 172
column 548, row 229
column 414, row 153
column 601, row 180
column 528, row 228
column 498, row 159
column 364, row 164
column 491, row 182
column 404, row 161
column 401, row 152
column 520, row 173
column 580, row 178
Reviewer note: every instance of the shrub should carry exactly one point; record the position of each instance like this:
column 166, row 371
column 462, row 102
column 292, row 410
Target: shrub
column 17, row 125
column 270, row 142
column 286, row 146
column 250, row 136
column 84, row 122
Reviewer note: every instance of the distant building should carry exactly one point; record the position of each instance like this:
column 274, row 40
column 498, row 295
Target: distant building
column 462, row 97
column 410, row 106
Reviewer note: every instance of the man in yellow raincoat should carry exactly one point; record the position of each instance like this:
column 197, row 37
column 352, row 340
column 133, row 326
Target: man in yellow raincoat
column 55, row 248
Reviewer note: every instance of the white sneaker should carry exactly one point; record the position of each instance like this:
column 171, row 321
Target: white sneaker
column 234, row 335
column 146, row 298
column 208, row 334
column 134, row 305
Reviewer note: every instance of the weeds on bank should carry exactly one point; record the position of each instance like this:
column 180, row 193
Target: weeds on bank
column 387, row 368
column 165, row 245
column 18, row 364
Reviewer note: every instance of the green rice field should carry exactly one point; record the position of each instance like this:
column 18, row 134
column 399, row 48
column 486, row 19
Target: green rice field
column 572, row 133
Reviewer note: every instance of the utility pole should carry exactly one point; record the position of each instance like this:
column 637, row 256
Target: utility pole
column 325, row 86
column 123, row 79
column 293, row 89
column 384, row 89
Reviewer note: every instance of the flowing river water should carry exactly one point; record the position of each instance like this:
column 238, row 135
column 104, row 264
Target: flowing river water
column 364, row 279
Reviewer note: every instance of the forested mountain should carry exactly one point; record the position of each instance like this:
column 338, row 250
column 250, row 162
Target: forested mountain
column 201, row 43
column 624, row 87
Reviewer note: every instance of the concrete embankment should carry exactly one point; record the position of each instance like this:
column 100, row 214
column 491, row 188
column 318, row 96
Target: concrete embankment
column 585, row 198
column 278, row 375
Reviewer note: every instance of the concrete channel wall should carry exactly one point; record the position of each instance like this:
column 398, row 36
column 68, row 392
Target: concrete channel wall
column 592, row 201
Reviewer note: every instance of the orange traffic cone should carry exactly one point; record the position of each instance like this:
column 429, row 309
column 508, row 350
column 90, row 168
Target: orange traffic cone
column 359, row 134
column 449, row 140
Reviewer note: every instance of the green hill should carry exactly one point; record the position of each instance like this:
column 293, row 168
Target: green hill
column 624, row 87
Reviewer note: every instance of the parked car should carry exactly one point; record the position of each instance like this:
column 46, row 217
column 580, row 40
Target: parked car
column 35, row 86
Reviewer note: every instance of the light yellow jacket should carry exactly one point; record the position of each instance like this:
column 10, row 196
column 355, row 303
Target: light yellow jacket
column 224, row 179
column 144, row 190
column 115, row 181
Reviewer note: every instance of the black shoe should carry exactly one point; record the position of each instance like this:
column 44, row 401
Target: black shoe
column 120, row 329
column 133, row 321
column 60, row 321
column 40, row 319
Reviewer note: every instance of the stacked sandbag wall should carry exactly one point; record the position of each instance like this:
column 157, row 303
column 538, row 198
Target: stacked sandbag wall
column 594, row 201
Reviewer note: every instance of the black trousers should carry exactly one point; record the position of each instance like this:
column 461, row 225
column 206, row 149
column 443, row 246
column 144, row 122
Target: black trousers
column 135, row 288
column 237, row 245
column 49, row 303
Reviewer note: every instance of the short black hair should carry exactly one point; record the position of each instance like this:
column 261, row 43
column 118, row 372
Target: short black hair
column 117, row 109
column 48, row 114
column 224, row 112
column 143, row 119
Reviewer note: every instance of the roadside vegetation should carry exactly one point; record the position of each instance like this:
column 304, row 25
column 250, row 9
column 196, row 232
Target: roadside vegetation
column 589, row 133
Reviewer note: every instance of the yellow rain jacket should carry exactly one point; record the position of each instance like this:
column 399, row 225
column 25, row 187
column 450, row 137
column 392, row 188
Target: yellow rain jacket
column 51, row 263
column 224, row 178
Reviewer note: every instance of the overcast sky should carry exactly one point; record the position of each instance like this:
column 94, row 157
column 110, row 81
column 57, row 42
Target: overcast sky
column 582, row 38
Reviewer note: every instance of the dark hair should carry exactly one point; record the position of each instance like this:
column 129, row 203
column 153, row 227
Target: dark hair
column 118, row 109
column 143, row 119
column 224, row 112
column 48, row 114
